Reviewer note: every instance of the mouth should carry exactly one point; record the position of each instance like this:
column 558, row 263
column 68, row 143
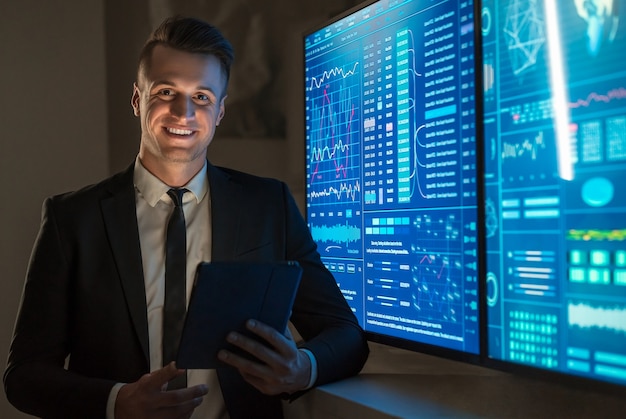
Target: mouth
column 179, row 131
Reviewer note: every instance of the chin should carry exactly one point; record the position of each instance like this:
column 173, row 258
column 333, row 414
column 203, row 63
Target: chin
column 183, row 157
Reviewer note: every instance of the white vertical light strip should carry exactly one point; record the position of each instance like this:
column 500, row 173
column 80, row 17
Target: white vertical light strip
column 560, row 102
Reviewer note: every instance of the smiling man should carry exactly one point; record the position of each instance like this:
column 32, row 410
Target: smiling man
column 91, row 331
column 179, row 98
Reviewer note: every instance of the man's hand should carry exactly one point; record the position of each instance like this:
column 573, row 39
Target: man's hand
column 148, row 398
column 285, row 370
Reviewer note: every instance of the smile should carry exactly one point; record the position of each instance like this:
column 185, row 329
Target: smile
column 179, row 131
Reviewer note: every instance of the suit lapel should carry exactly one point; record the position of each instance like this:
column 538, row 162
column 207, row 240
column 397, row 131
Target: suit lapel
column 120, row 218
column 226, row 206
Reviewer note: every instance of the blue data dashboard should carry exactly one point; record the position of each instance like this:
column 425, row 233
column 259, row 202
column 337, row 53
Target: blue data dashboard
column 391, row 167
column 554, row 88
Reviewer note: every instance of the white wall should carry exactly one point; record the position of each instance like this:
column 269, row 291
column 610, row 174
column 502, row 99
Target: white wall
column 53, row 119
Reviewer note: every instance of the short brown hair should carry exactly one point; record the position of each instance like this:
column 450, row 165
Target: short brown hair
column 189, row 35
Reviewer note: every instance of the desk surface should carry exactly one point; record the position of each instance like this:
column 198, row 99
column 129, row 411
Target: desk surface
column 402, row 384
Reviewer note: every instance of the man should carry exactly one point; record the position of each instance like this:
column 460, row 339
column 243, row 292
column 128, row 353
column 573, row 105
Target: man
column 88, row 335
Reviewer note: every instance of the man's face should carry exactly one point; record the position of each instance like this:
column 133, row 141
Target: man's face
column 179, row 98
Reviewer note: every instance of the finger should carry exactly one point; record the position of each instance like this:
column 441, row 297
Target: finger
column 258, row 375
column 244, row 363
column 261, row 384
column 276, row 339
column 259, row 350
column 184, row 396
column 273, row 365
column 158, row 378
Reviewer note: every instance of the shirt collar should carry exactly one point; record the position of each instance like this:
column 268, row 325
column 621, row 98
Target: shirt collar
column 152, row 189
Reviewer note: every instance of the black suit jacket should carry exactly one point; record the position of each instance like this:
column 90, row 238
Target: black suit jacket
column 84, row 295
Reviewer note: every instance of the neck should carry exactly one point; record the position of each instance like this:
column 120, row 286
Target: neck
column 174, row 174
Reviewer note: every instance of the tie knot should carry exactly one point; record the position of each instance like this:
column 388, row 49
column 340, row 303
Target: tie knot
column 177, row 195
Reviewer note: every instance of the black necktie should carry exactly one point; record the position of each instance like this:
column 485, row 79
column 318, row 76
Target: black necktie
column 175, row 284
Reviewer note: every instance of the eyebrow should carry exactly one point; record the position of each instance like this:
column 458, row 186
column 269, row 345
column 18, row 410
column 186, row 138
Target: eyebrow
column 169, row 83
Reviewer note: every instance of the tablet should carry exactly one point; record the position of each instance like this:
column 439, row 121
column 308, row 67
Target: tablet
column 225, row 295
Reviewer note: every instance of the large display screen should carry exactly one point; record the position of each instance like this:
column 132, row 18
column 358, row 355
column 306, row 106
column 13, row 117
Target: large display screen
column 554, row 86
column 391, row 167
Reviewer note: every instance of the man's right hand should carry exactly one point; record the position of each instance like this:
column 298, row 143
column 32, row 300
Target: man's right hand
column 147, row 398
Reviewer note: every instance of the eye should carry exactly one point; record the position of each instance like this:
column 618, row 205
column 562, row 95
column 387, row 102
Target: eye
column 202, row 98
column 165, row 92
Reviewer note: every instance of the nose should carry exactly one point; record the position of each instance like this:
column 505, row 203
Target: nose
column 183, row 107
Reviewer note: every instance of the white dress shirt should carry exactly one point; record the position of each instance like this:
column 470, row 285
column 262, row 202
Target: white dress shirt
column 154, row 207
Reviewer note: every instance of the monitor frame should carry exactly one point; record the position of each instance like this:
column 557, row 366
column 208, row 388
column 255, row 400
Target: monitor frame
column 414, row 346
column 482, row 358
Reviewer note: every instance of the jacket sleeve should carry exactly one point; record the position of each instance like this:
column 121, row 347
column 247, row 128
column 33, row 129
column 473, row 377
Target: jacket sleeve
column 321, row 314
column 35, row 379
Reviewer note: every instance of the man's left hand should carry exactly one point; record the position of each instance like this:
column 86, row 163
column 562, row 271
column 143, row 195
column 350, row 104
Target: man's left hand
column 285, row 369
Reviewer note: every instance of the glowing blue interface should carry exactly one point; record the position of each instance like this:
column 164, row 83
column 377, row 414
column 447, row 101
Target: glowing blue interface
column 391, row 167
column 555, row 156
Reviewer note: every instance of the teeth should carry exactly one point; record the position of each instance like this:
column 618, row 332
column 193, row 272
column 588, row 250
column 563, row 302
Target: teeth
column 179, row 131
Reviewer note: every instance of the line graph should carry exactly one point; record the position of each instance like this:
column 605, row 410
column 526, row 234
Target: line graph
column 594, row 97
column 350, row 190
column 334, row 151
column 431, row 259
column 333, row 128
column 333, row 154
column 530, row 155
column 528, row 148
column 318, row 81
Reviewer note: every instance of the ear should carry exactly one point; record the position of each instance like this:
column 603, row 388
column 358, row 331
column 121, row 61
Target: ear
column 222, row 111
column 135, row 99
